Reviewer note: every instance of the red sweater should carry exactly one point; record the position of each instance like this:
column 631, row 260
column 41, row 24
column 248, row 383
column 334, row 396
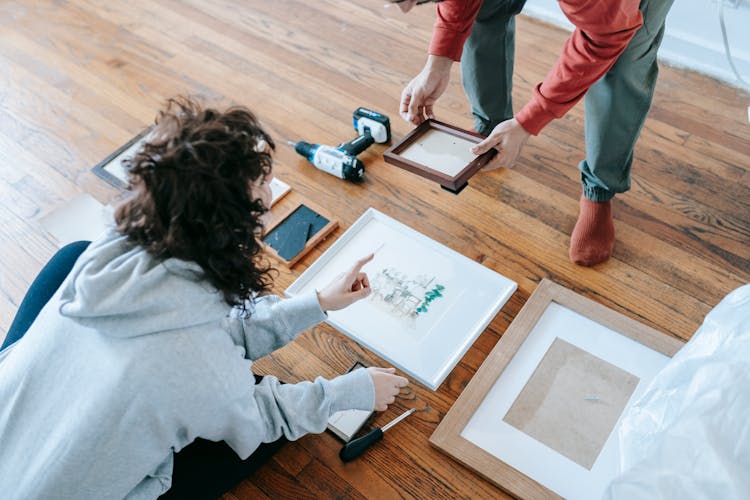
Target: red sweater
column 603, row 30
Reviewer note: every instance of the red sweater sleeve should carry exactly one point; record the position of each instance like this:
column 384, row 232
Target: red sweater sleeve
column 603, row 30
column 452, row 27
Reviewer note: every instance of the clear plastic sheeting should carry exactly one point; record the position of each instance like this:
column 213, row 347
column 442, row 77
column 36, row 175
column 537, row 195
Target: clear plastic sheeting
column 688, row 436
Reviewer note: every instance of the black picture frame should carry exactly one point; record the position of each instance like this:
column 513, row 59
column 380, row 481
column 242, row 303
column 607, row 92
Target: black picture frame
column 103, row 168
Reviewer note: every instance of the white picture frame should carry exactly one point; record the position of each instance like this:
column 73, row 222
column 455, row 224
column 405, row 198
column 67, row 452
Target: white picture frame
column 406, row 274
column 547, row 461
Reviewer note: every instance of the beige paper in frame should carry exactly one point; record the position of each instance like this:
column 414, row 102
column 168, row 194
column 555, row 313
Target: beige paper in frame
column 446, row 153
column 572, row 402
column 451, row 435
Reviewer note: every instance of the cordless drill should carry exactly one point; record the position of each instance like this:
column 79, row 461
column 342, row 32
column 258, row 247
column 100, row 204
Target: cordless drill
column 342, row 160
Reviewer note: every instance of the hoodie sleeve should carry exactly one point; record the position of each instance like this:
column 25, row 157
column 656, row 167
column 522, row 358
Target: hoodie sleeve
column 273, row 322
column 270, row 409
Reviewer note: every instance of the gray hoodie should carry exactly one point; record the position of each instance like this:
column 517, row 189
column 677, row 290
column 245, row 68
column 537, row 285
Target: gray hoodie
column 130, row 361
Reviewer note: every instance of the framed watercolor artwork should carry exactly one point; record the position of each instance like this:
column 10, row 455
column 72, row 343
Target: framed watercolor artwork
column 538, row 417
column 439, row 152
column 428, row 303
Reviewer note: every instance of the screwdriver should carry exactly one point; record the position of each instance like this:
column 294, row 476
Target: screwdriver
column 355, row 448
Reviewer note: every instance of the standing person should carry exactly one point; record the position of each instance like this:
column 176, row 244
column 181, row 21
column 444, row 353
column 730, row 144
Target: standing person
column 131, row 372
column 610, row 58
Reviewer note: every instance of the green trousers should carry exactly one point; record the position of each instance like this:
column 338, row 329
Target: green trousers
column 615, row 106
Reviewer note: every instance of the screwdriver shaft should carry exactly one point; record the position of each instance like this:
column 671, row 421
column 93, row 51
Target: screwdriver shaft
column 399, row 419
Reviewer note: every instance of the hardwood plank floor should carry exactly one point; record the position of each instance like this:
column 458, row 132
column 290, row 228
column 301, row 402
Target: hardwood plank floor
column 80, row 78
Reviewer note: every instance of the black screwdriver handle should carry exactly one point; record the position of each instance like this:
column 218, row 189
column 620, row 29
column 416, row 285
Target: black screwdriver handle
column 355, row 448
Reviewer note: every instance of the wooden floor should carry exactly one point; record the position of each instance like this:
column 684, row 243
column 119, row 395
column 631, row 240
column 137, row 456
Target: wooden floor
column 80, row 78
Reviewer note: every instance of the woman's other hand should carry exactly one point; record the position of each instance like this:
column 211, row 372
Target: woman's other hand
column 387, row 384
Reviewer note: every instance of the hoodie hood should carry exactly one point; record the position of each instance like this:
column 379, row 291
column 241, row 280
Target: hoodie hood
column 123, row 291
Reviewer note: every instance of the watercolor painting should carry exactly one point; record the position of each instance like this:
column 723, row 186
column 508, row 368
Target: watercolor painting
column 403, row 296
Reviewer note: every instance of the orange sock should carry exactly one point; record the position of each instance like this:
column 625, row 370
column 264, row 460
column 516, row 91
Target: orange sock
column 593, row 237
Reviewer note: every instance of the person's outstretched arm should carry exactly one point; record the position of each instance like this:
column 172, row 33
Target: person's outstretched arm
column 603, row 31
column 272, row 322
column 452, row 27
column 251, row 414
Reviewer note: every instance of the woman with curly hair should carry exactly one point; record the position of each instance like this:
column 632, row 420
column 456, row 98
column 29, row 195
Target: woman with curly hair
column 127, row 369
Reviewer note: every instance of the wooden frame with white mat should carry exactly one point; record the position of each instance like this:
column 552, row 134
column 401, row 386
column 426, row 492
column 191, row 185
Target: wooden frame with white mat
column 450, row 435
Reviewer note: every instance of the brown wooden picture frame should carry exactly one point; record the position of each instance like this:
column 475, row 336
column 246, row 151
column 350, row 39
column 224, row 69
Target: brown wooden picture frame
column 453, row 184
column 314, row 240
column 447, row 436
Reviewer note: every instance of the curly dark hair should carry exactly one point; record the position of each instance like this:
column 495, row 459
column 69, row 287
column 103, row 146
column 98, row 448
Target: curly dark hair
column 191, row 197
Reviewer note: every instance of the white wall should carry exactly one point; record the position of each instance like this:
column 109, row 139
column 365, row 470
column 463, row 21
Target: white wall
column 693, row 36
